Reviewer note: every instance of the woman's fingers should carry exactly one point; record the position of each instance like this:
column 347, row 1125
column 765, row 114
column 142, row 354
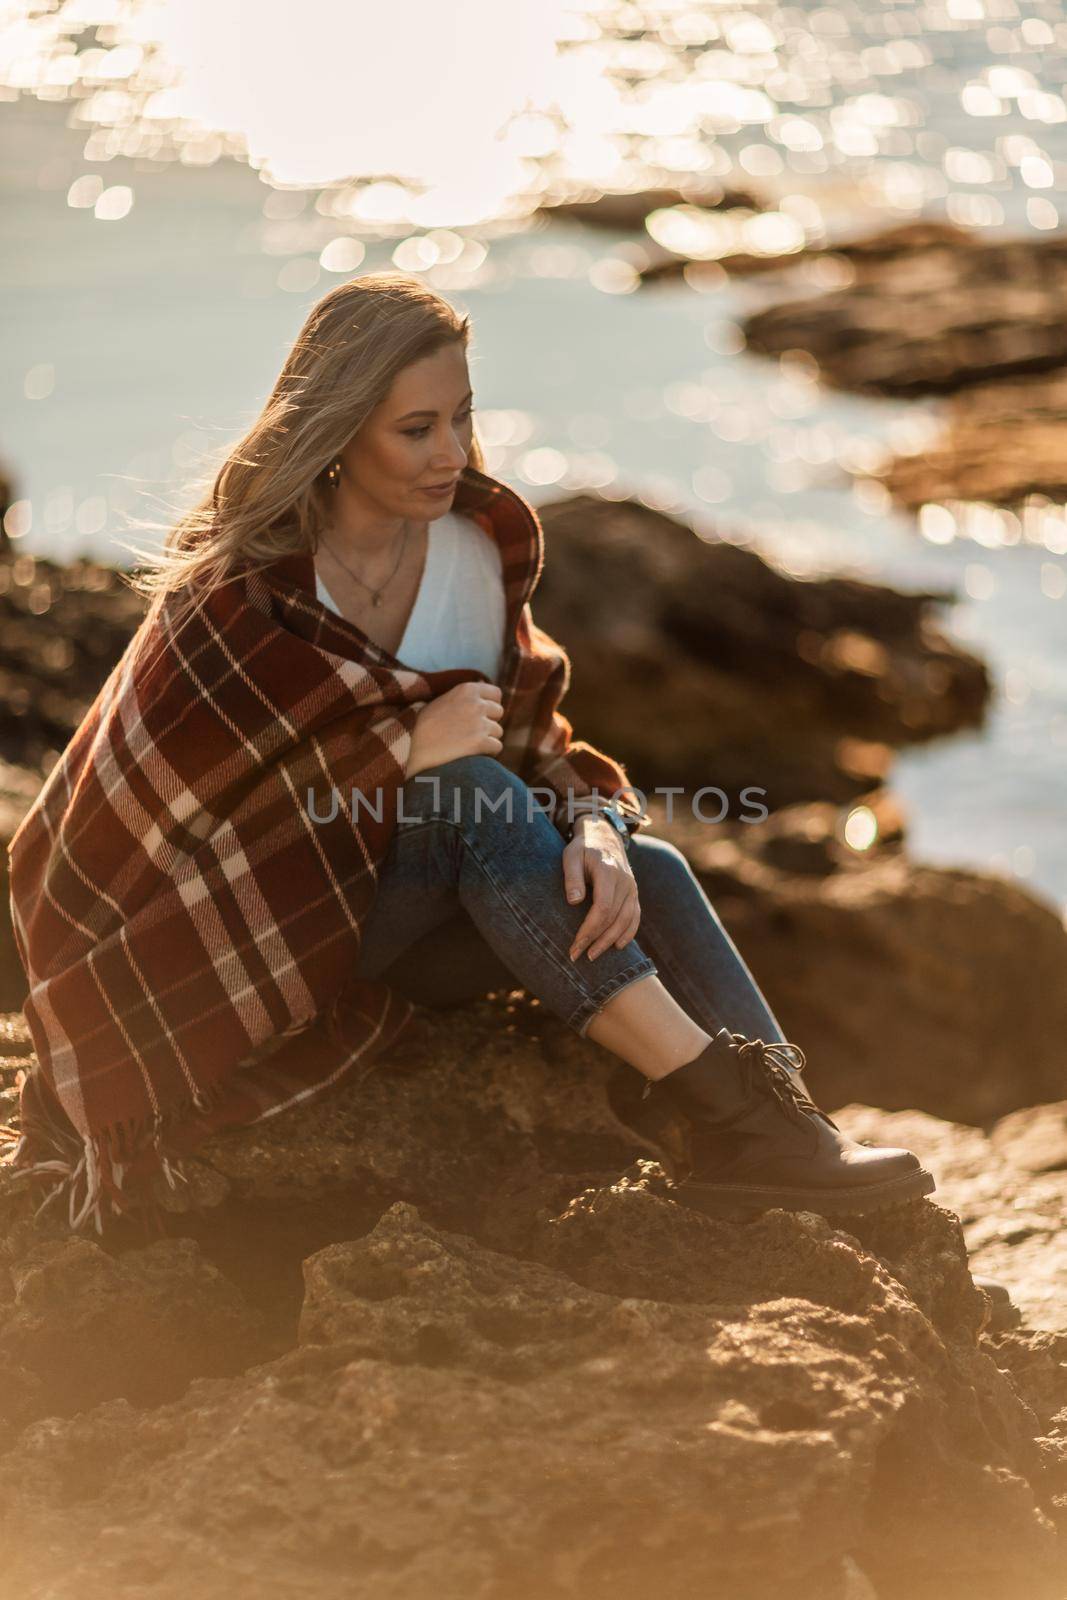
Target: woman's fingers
column 610, row 912
column 611, row 934
column 574, row 876
column 631, row 931
column 600, row 915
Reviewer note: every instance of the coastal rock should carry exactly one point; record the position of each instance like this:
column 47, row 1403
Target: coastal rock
column 928, row 308
column 823, row 265
column 1013, row 1217
column 7, row 495
column 62, row 628
column 19, row 787
column 906, row 985
column 454, row 1421
column 943, row 309
column 503, row 1359
column 1002, row 443
column 624, row 212
column 79, row 1325
column 799, row 688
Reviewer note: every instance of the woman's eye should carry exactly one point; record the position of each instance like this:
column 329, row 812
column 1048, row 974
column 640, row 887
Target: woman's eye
column 419, row 433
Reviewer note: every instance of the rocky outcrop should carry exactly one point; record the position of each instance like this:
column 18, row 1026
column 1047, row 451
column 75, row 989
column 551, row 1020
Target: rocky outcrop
column 454, row 1422
column 1008, row 1186
column 931, row 309
column 626, row 211
column 504, row 1360
column 908, row 985
column 704, row 664
column 944, row 308
column 18, row 789
column 62, row 628
column 836, row 261
column 80, row 1325
column 1001, row 443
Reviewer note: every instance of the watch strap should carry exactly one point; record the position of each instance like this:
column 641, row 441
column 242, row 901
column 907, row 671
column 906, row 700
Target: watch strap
column 620, row 820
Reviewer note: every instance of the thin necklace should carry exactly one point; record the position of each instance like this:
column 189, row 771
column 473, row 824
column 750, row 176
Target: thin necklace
column 375, row 594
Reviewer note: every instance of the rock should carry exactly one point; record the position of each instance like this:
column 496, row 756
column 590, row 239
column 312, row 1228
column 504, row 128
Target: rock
column 823, row 265
column 83, row 1325
column 503, row 1358
column 1001, row 444
column 457, row 1422
column 532, row 1097
column 726, row 259
column 1012, row 1207
column 799, row 688
column 62, row 628
column 937, row 311
column 1037, row 1362
column 893, row 977
column 18, row 790
column 627, row 211
column 1012, row 1217
column 1035, row 1138
column 7, row 495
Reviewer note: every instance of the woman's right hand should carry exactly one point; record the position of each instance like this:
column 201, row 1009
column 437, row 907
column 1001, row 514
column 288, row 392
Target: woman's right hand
column 464, row 721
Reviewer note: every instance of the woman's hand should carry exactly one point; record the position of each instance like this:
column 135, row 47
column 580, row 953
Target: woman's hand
column 464, row 721
column 597, row 852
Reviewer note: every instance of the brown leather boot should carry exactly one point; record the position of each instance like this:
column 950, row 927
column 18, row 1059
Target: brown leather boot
column 755, row 1139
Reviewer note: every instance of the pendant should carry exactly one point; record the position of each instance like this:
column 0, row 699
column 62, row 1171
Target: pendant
column 377, row 600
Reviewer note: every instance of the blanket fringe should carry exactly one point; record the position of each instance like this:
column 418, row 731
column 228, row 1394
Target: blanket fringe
column 108, row 1174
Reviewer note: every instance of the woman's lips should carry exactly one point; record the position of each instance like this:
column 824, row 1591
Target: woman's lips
column 449, row 488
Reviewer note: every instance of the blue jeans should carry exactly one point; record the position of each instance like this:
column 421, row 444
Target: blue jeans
column 471, row 898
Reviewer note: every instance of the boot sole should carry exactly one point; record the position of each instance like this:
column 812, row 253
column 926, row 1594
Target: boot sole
column 721, row 1199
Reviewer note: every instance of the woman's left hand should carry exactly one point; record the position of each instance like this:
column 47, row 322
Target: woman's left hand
column 598, row 853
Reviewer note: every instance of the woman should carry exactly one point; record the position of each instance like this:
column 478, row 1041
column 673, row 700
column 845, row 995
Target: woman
column 329, row 779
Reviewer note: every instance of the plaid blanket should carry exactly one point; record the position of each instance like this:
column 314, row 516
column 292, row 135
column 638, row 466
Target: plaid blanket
column 188, row 931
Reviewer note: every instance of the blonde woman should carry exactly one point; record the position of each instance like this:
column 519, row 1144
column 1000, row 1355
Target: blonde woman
column 329, row 780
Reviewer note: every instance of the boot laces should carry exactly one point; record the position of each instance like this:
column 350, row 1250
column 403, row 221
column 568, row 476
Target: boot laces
column 776, row 1060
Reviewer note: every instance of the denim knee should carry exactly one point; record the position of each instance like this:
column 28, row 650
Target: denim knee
column 475, row 791
column 649, row 854
column 474, row 771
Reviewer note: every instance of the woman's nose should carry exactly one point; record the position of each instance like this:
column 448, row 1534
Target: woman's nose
column 457, row 456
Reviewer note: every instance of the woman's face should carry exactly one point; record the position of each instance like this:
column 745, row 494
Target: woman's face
column 416, row 438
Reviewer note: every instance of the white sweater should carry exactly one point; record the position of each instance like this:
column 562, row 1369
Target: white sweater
column 459, row 613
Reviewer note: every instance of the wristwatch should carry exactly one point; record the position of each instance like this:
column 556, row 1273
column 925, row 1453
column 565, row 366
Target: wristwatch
column 608, row 810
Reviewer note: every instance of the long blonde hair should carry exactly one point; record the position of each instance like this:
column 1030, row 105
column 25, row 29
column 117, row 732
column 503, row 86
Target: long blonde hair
column 270, row 497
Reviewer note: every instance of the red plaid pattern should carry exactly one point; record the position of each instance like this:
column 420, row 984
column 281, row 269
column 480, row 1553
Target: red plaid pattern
column 187, row 929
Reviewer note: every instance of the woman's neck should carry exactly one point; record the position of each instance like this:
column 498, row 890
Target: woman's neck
column 366, row 542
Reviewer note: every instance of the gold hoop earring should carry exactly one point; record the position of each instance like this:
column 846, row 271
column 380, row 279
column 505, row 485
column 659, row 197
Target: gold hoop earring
column 333, row 476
